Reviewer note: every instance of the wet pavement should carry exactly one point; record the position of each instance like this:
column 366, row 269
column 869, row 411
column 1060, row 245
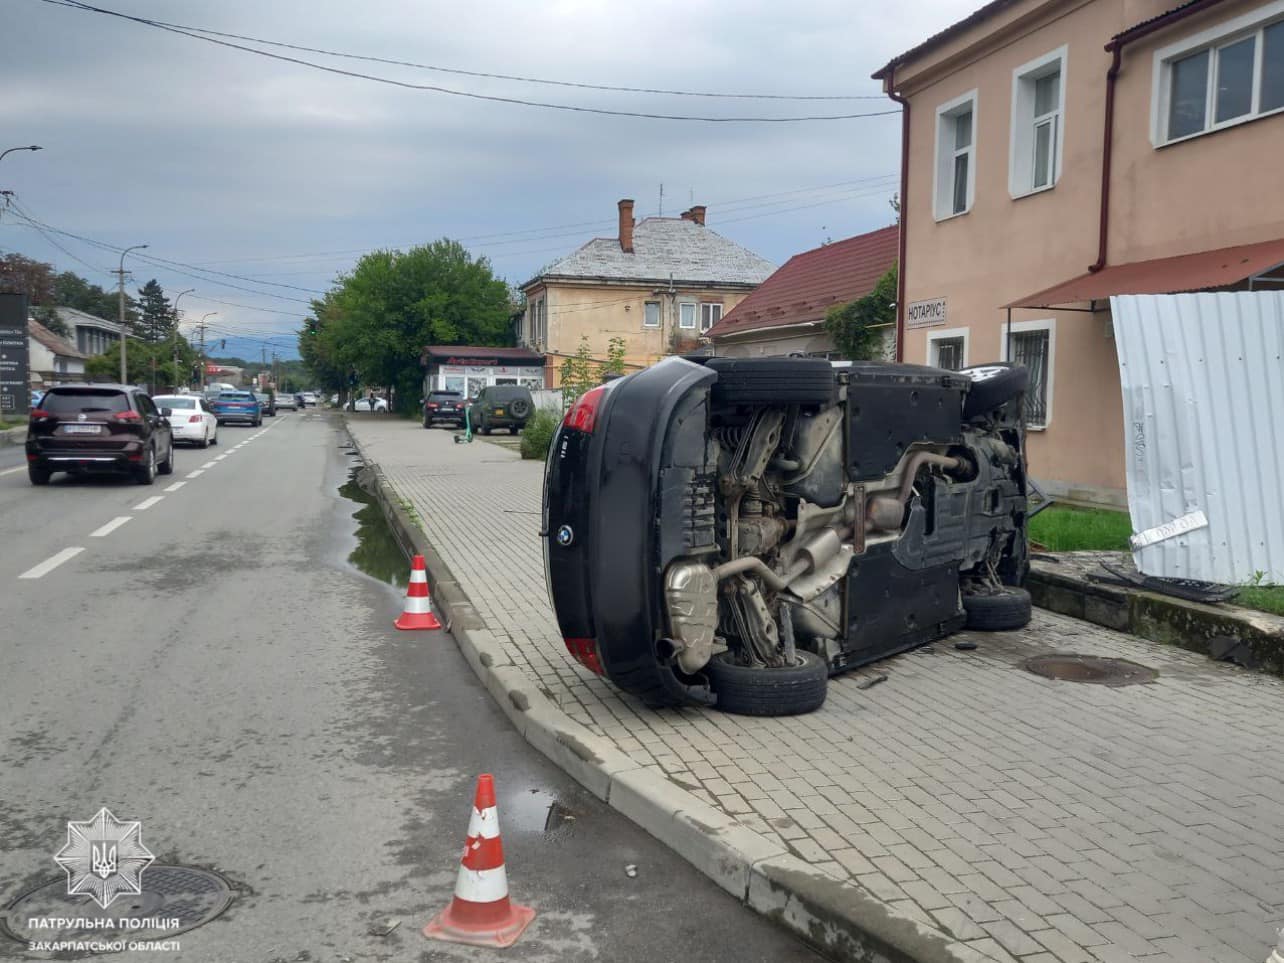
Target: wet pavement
column 221, row 669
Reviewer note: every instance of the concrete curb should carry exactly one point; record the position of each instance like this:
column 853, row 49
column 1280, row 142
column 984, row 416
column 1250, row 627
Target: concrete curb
column 1064, row 587
column 843, row 921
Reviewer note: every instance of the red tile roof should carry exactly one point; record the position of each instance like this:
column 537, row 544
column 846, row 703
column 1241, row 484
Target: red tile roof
column 812, row 282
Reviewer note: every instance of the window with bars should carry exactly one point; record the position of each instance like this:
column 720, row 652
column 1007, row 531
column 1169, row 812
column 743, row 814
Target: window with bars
column 948, row 353
column 1031, row 348
column 1235, row 77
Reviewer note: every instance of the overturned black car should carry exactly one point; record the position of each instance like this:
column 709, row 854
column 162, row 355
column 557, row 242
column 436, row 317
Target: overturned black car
column 732, row 532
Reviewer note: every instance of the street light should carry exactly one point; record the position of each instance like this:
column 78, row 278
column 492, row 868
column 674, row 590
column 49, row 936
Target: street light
column 201, row 324
column 175, row 339
column 124, row 335
column 12, row 149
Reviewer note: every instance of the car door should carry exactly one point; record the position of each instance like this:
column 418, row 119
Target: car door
column 162, row 436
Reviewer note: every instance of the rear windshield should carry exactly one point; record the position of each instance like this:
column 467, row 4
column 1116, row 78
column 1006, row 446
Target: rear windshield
column 444, row 396
column 63, row 401
column 235, row 396
column 178, row 401
column 506, row 392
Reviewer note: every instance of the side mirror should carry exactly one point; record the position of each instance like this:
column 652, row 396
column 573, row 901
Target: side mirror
column 166, row 412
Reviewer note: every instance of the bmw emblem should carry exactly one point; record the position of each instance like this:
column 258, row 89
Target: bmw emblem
column 565, row 536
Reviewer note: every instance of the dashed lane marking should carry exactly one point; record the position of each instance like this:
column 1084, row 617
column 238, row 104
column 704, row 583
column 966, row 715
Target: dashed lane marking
column 111, row 526
column 51, row 563
column 196, row 474
column 147, row 503
column 176, row 486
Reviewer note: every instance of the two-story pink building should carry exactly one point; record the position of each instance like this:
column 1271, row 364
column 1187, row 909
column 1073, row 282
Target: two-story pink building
column 1057, row 152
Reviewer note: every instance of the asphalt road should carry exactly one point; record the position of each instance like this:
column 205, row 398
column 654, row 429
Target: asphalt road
column 214, row 667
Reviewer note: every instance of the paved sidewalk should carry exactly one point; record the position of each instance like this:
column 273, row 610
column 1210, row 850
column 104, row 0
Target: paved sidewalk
column 1028, row 819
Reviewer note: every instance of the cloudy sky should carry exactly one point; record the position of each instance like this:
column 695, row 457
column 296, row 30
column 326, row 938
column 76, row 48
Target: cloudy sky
column 227, row 161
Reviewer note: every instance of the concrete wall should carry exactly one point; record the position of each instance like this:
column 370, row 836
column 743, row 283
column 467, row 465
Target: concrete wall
column 1209, row 192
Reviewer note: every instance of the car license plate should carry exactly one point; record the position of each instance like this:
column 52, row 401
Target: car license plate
column 82, row 429
column 499, row 411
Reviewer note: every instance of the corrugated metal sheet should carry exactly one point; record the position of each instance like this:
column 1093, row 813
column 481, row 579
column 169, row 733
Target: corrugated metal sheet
column 1203, row 399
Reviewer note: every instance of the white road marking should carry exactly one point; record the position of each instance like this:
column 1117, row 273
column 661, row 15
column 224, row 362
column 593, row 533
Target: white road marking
column 221, row 457
column 51, row 563
column 176, row 486
column 147, row 503
column 11, row 471
column 196, row 474
column 208, row 464
column 111, row 526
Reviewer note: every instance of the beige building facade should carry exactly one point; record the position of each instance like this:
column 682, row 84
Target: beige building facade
column 658, row 286
column 1060, row 152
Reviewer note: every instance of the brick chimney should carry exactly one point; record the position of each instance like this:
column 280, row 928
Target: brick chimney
column 697, row 214
column 686, row 216
column 626, row 226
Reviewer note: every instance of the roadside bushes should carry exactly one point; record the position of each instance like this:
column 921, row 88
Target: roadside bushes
column 537, row 434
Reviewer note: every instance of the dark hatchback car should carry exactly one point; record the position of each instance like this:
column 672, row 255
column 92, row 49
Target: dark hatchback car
column 501, row 406
column 733, row 532
column 444, row 406
column 99, row 428
column 237, row 407
column 267, row 402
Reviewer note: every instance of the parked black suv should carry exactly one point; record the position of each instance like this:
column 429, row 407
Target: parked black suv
column 501, row 406
column 444, row 406
column 99, row 428
column 731, row 533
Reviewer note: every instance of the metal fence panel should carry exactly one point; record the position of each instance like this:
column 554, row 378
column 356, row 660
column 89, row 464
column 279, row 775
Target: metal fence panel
column 1203, row 400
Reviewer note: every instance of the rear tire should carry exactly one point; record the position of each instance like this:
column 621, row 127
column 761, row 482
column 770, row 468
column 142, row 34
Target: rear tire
column 1000, row 611
column 167, row 466
column 769, row 692
column 781, row 381
column 38, row 476
column 147, row 473
column 205, row 441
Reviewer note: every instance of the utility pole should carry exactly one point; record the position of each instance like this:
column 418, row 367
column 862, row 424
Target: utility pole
column 124, row 332
column 201, row 326
column 178, row 321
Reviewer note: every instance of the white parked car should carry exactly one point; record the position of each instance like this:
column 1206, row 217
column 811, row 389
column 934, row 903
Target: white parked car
column 364, row 404
column 191, row 419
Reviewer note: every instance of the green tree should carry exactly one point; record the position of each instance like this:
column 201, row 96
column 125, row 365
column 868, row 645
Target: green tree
column 24, row 275
column 174, row 359
column 579, row 373
column 73, row 291
column 857, row 326
column 156, row 321
column 614, row 357
column 371, row 329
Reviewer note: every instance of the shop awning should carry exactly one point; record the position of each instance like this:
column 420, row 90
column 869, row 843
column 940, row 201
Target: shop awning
column 1204, row 271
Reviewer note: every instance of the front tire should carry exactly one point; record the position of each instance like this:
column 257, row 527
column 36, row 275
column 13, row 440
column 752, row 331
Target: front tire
column 769, row 692
column 38, row 476
column 998, row 611
column 167, row 466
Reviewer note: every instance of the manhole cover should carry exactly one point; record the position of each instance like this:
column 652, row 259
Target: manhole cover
column 1068, row 667
column 174, row 900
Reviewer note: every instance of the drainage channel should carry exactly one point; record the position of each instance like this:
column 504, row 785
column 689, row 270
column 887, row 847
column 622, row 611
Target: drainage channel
column 377, row 553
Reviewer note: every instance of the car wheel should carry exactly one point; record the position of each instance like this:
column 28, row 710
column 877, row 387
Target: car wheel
column 147, row 473
column 38, row 476
column 167, row 466
column 205, row 441
column 769, row 692
column 781, row 381
column 519, row 408
column 214, row 438
column 993, row 385
column 485, row 426
column 427, row 422
column 998, row 611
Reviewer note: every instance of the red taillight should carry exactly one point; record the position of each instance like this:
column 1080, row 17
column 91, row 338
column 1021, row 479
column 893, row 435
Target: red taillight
column 193, row 419
column 433, row 404
column 583, row 414
column 126, row 416
column 38, row 413
column 585, row 652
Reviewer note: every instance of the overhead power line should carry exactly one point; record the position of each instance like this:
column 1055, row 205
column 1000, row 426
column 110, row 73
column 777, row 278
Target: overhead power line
column 493, row 98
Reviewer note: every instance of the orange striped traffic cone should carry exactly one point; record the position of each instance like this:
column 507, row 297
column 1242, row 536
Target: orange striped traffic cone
column 418, row 613
column 480, row 912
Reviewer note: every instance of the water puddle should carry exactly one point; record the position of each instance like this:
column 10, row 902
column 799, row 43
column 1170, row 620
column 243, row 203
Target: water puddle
column 377, row 553
column 534, row 811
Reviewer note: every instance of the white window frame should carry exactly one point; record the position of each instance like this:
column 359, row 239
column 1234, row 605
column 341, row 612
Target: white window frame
column 707, row 307
column 1043, row 324
column 659, row 315
column 1221, row 35
column 943, row 169
column 695, row 315
column 947, row 334
column 1021, row 149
